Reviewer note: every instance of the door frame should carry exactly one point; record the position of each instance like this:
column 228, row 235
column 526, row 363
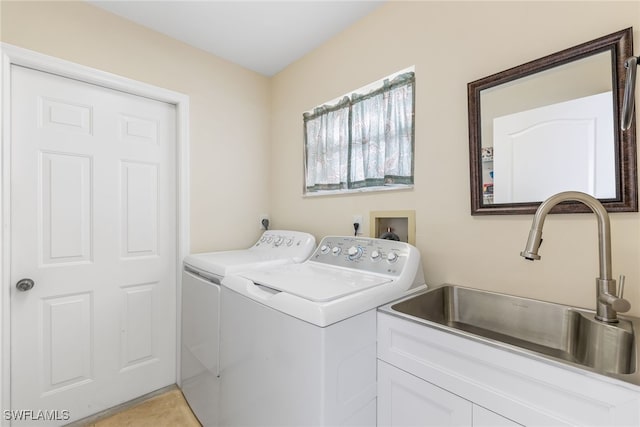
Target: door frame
column 13, row 55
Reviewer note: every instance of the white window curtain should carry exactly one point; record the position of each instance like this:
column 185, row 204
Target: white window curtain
column 367, row 140
column 327, row 148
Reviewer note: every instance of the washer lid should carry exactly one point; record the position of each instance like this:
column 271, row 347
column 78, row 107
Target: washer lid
column 315, row 282
column 226, row 262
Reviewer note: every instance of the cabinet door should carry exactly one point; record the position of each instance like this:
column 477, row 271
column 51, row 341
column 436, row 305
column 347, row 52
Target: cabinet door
column 485, row 418
column 406, row 400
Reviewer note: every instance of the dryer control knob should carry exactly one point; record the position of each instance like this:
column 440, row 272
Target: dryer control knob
column 278, row 241
column 354, row 252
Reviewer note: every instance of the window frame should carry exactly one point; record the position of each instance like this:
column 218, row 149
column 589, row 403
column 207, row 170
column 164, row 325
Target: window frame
column 384, row 85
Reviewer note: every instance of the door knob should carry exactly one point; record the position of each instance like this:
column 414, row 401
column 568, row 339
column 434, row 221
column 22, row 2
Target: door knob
column 25, row 284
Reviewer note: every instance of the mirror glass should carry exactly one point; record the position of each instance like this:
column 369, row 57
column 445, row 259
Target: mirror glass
column 551, row 125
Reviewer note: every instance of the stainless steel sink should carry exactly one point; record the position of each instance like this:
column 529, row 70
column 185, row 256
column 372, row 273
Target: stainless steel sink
column 554, row 331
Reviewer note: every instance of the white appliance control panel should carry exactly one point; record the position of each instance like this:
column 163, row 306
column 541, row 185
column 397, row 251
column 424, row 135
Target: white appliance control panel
column 363, row 253
column 272, row 239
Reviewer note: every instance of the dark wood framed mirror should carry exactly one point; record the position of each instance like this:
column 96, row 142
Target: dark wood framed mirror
column 551, row 125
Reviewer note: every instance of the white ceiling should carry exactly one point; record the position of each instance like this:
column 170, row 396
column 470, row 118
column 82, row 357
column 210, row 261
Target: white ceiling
column 264, row 36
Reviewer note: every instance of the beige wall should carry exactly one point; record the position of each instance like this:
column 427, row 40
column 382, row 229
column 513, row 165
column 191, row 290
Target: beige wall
column 451, row 44
column 228, row 186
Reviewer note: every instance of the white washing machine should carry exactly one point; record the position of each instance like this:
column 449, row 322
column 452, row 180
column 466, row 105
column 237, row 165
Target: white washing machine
column 298, row 342
column 201, row 280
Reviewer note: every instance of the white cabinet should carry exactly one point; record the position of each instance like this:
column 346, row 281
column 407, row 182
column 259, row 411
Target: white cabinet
column 427, row 376
column 485, row 418
column 406, row 400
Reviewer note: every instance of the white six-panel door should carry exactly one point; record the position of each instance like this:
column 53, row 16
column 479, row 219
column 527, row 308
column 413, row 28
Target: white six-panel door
column 93, row 224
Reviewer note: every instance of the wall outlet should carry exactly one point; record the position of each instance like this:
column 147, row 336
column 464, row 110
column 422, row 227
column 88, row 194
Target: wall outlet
column 357, row 219
column 261, row 218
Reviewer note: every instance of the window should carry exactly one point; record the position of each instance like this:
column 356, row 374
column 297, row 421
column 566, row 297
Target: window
column 364, row 141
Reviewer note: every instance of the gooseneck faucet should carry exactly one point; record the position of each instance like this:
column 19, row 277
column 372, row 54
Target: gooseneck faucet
column 608, row 302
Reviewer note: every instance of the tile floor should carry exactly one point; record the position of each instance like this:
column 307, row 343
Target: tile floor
column 166, row 409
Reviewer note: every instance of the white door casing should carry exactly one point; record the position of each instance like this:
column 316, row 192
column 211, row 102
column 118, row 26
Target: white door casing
column 67, row 243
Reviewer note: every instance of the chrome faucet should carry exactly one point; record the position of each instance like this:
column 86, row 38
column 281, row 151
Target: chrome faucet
column 607, row 302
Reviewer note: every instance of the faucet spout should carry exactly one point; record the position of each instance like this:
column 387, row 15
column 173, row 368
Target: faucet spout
column 607, row 303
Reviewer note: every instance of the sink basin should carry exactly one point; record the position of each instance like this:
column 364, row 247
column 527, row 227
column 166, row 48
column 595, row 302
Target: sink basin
column 554, row 331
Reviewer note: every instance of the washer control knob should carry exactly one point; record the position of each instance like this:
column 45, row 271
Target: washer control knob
column 375, row 255
column 392, row 257
column 324, row 249
column 336, row 250
column 354, row 252
column 289, row 241
column 278, row 241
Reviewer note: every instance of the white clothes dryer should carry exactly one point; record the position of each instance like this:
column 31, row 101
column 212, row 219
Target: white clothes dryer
column 202, row 275
column 298, row 342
